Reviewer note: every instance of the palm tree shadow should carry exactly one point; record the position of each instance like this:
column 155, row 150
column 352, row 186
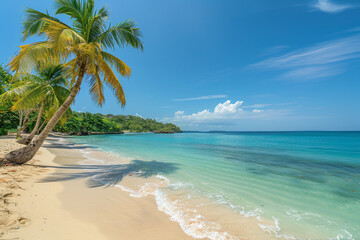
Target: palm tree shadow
column 109, row 175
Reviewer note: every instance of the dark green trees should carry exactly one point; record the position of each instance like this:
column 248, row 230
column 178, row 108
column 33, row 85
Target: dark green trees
column 88, row 122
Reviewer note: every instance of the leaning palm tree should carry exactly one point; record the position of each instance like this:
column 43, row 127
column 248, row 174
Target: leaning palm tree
column 45, row 90
column 81, row 45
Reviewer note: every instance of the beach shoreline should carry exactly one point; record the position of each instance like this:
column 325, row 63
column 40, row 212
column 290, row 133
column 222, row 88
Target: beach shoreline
column 62, row 200
column 114, row 211
column 39, row 206
column 129, row 199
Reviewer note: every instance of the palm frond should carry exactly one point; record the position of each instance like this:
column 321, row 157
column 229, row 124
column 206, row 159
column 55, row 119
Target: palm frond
column 32, row 55
column 16, row 90
column 73, row 71
column 118, row 64
column 34, row 21
column 97, row 89
column 111, row 80
column 71, row 8
column 122, row 34
column 56, row 75
column 96, row 25
column 61, row 93
column 62, row 37
column 81, row 12
column 31, row 98
column 80, row 45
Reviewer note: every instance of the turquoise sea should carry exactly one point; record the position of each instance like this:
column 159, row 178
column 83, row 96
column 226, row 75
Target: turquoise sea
column 295, row 185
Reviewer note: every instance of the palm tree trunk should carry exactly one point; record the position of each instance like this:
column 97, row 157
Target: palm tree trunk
column 20, row 123
column 27, row 140
column 24, row 123
column 25, row 154
column 42, row 125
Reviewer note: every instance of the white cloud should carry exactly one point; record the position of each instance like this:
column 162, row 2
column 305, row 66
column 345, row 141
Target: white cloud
column 201, row 98
column 312, row 72
column 224, row 113
column 232, row 116
column 321, row 60
column 330, row 7
column 227, row 107
column 179, row 113
column 257, row 111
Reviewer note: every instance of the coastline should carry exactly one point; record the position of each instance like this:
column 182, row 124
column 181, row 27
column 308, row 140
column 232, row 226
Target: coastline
column 127, row 201
column 37, row 206
column 112, row 210
column 65, row 201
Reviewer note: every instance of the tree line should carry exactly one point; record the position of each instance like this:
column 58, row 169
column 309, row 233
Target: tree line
column 84, row 123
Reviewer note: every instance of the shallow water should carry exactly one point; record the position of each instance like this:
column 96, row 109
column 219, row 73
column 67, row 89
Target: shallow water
column 290, row 184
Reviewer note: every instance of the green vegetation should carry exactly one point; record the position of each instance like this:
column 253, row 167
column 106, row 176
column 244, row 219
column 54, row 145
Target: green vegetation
column 83, row 123
column 81, row 43
column 48, row 74
column 8, row 118
column 42, row 92
column 5, row 78
column 8, row 121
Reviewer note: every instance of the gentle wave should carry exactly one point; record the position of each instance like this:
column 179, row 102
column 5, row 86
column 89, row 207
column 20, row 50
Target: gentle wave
column 193, row 223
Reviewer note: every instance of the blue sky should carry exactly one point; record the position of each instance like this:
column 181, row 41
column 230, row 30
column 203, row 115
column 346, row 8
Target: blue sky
column 231, row 65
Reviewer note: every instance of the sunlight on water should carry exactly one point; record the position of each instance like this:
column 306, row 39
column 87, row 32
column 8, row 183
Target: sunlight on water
column 304, row 184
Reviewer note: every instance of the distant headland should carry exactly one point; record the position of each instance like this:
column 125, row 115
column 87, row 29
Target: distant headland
column 98, row 124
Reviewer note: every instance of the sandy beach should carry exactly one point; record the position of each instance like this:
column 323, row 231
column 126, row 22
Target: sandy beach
column 37, row 204
column 31, row 209
column 55, row 195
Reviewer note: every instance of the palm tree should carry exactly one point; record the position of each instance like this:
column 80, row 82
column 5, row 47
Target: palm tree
column 45, row 90
column 82, row 46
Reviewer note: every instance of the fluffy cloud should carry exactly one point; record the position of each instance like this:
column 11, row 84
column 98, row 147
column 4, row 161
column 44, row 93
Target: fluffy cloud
column 179, row 113
column 222, row 113
column 233, row 116
column 227, row 107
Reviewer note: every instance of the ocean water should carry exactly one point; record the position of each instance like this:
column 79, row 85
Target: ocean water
column 293, row 185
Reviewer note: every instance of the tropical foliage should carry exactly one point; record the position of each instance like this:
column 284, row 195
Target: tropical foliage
column 138, row 124
column 90, row 123
column 42, row 92
column 80, row 46
column 8, row 119
column 5, row 79
column 48, row 75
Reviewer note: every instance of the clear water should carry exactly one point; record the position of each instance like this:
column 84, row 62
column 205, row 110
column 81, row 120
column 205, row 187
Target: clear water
column 308, row 183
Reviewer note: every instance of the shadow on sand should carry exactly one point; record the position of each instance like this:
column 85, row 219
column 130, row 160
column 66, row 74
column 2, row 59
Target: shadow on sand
column 109, row 175
column 54, row 143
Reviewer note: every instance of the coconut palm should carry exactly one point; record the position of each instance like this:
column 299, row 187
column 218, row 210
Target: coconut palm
column 46, row 90
column 81, row 45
